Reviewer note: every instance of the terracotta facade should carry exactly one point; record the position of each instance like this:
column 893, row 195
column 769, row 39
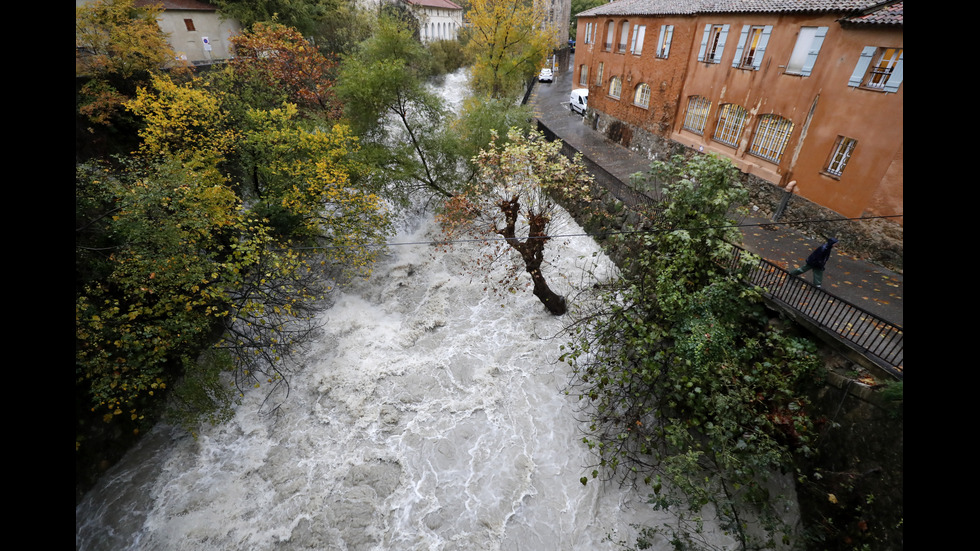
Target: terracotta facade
column 784, row 97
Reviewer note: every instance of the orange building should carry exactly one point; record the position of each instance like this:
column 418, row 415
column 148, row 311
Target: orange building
column 805, row 91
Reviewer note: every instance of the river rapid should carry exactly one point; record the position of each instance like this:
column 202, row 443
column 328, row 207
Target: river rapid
column 427, row 415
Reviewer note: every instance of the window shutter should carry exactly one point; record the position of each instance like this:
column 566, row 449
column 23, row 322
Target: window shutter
column 862, row 66
column 761, row 50
column 741, row 45
column 666, row 32
column 639, row 32
column 721, row 43
column 896, row 77
column 811, row 56
column 704, row 42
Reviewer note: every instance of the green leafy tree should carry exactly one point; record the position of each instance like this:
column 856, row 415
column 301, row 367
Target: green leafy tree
column 402, row 122
column 301, row 15
column 579, row 6
column 688, row 386
column 515, row 197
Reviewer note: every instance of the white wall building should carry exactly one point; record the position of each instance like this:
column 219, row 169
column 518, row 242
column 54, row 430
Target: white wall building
column 438, row 19
column 196, row 32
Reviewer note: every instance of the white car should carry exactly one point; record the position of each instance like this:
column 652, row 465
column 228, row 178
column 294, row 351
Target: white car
column 579, row 100
column 545, row 76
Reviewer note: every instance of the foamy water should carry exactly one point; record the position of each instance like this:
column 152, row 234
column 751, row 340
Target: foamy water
column 427, row 415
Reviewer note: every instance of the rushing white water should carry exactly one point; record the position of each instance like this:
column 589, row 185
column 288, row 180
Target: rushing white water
column 428, row 415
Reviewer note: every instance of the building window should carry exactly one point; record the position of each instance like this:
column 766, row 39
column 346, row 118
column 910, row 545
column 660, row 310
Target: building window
column 771, row 136
column 697, row 114
column 713, row 43
column 583, row 75
column 840, row 155
column 610, row 30
column 598, row 75
column 642, row 96
column 189, row 23
column 804, row 55
column 878, row 69
column 588, row 32
column 615, row 87
column 624, row 31
column 663, row 44
column 639, row 31
column 731, row 118
column 751, row 46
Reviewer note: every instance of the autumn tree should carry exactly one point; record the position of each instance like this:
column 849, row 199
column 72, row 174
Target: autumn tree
column 507, row 43
column 515, row 200
column 279, row 57
column 118, row 45
column 181, row 273
column 689, row 388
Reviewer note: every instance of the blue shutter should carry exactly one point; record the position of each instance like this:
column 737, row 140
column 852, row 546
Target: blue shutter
column 862, row 66
column 721, row 43
column 811, row 56
column 704, row 42
column 741, row 45
column 896, row 77
column 761, row 50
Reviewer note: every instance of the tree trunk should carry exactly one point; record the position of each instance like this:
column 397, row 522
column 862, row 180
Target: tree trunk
column 532, row 252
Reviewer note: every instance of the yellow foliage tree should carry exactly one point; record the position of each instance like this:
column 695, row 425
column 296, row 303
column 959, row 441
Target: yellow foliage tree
column 180, row 118
column 508, row 44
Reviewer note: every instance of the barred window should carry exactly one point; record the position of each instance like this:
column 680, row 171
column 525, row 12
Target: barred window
column 583, row 77
column 731, row 118
column 840, row 155
column 697, row 114
column 598, row 75
column 615, row 87
column 771, row 136
column 642, row 96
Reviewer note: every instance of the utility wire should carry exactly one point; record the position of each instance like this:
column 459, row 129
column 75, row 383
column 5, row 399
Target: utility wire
column 609, row 233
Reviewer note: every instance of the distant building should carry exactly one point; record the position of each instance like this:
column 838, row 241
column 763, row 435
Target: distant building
column 790, row 90
column 197, row 33
column 438, row 19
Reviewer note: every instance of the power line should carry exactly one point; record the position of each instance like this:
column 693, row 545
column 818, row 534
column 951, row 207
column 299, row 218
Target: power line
column 610, row 233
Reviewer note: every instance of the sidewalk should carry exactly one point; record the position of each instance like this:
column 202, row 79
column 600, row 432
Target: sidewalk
column 861, row 283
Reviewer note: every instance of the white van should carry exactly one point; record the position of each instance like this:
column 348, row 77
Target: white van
column 579, row 100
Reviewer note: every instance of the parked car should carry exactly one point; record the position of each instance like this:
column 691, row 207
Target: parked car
column 545, row 76
column 579, row 100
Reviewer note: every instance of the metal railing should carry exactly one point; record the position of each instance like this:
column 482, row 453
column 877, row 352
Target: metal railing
column 873, row 337
column 878, row 340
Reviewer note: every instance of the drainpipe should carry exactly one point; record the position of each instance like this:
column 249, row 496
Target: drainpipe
column 787, row 193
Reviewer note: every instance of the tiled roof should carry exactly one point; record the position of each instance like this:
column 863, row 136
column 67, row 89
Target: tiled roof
column 888, row 14
column 440, row 4
column 691, row 7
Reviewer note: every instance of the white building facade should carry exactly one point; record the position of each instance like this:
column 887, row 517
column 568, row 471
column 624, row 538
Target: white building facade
column 438, row 19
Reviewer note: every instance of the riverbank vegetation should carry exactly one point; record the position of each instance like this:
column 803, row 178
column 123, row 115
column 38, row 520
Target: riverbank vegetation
column 688, row 388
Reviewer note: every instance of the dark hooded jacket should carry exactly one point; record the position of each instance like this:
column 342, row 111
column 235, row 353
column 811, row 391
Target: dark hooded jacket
column 818, row 258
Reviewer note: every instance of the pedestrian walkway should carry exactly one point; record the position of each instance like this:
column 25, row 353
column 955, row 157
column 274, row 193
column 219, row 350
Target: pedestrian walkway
column 863, row 284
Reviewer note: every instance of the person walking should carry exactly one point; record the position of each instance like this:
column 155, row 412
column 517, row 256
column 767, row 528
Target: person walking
column 816, row 261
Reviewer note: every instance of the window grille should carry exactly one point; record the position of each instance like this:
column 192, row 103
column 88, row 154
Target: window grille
column 642, row 96
column 771, row 137
column 697, row 114
column 730, row 121
column 841, row 154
